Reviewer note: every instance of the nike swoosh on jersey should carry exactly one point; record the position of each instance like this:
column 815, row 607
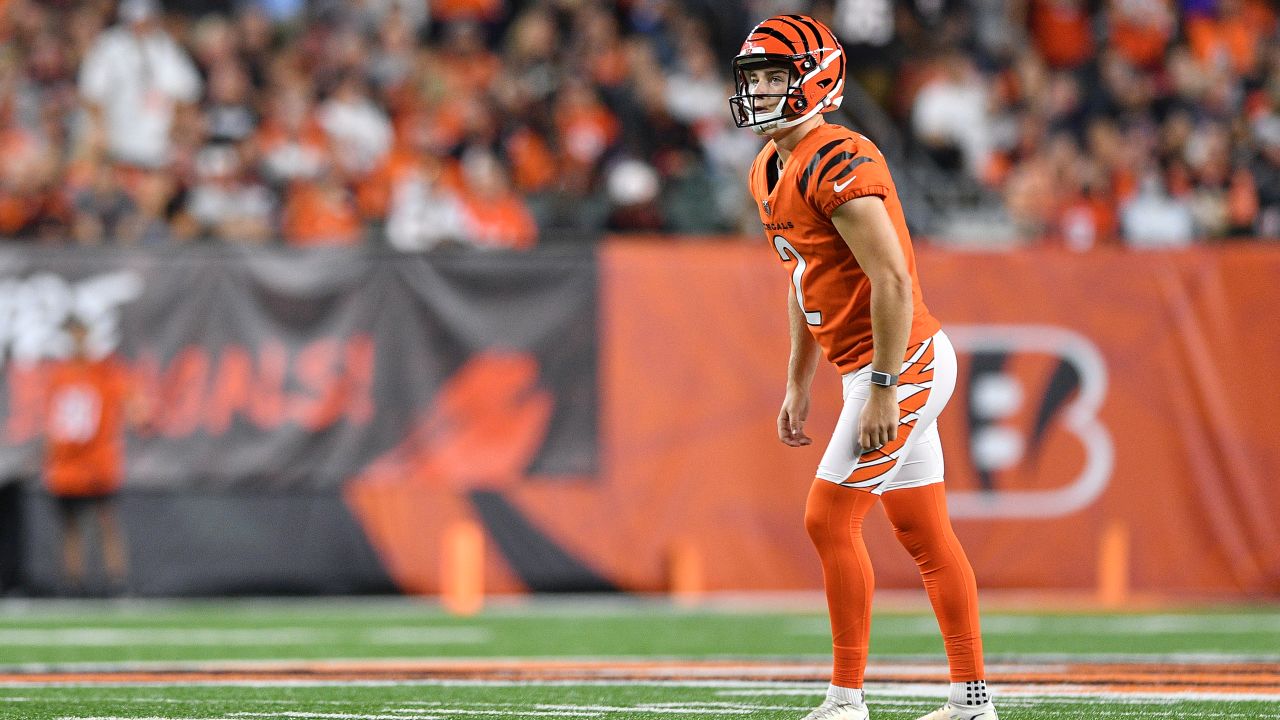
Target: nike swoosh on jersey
column 841, row 186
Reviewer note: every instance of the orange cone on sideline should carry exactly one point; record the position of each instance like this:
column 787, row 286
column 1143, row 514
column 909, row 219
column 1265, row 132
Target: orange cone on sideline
column 1113, row 565
column 462, row 568
column 687, row 581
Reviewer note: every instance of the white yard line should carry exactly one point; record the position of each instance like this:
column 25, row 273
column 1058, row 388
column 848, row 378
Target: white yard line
column 133, row 718
column 452, row 711
column 331, row 716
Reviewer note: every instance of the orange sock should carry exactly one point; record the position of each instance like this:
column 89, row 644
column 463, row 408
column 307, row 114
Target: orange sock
column 833, row 516
column 920, row 521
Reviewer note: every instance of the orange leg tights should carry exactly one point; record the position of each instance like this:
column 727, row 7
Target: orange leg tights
column 833, row 517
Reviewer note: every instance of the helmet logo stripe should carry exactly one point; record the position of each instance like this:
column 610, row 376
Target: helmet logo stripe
column 817, row 37
column 800, row 32
column 776, row 35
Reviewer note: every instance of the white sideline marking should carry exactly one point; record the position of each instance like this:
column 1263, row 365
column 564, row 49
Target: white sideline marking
column 255, row 637
column 412, row 635
column 451, row 711
column 419, row 716
column 415, row 713
column 681, row 709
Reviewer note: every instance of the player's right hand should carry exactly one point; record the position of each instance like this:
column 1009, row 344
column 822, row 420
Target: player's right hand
column 795, row 409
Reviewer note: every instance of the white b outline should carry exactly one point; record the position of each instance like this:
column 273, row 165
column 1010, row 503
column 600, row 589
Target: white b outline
column 1080, row 418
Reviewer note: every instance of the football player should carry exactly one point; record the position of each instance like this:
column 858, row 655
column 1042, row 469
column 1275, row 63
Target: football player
column 89, row 402
column 831, row 213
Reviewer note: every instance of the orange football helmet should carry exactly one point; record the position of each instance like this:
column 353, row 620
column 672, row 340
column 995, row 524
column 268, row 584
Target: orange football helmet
column 812, row 55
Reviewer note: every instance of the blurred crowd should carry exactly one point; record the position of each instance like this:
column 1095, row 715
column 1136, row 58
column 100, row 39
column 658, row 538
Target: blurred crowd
column 494, row 123
column 1153, row 123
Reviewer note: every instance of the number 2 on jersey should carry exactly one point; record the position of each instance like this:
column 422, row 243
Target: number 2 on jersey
column 788, row 252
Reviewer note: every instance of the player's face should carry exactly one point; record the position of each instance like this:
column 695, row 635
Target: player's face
column 768, row 86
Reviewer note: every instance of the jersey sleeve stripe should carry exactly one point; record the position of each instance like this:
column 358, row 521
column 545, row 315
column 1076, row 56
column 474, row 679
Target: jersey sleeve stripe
column 813, row 164
column 835, row 159
column 842, row 173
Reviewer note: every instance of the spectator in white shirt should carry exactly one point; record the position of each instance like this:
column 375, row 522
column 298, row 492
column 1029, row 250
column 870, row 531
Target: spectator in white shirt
column 694, row 91
column 133, row 82
column 951, row 114
column 359, row 129
column 226, row 204
column 1153, row 219
column 423, row 212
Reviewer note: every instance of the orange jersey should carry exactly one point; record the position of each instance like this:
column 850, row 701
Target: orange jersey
column 85, row 418
column 830, row 166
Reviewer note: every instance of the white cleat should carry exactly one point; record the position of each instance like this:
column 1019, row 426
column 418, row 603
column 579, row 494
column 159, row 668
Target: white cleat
column 836, row 710
column 985, row 711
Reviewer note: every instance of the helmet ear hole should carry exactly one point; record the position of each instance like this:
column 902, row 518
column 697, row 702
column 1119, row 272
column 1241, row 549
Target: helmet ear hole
column 825, row 83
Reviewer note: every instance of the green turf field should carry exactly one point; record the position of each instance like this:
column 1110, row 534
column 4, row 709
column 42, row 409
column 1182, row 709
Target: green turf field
column 378, row 658
column 595, row 701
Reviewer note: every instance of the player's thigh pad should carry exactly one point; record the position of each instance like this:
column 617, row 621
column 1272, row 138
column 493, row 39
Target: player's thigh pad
column 914, row 458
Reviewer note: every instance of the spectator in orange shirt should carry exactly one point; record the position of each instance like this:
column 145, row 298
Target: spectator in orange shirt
column 497, row 216
column 1230, row 37
column 88, row 402
column 452, row 10
column 586, row 130
column 320, row 212
column 465, row 63
column 1060, row 30
column 28, row 174
column 1140, row 30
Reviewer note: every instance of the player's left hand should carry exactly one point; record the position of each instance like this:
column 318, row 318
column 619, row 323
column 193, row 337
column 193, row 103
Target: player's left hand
column 878, row 423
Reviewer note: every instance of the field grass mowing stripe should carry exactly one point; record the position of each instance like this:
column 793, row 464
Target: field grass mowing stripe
column 1084, row 694
column 1022, row 662
column 1218, row 677
column 1161, row 624
column 631, row 704
column 254, row 637
column 742, row 689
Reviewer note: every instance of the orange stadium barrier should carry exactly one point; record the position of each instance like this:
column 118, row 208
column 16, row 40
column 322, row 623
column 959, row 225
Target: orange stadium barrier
column 1113, row 429
column 603, row 419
